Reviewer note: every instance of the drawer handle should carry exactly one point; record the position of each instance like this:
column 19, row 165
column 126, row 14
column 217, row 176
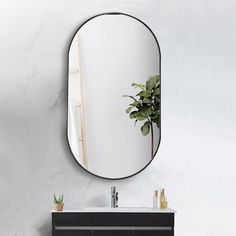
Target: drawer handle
column 113, row 228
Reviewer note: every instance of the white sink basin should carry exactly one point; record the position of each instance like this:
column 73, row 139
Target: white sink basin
column 121, row 209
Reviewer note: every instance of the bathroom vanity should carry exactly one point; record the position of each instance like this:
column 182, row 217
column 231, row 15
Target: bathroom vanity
column 113, row 221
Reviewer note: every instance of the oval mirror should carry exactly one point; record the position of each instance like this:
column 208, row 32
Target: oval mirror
column 114, row 95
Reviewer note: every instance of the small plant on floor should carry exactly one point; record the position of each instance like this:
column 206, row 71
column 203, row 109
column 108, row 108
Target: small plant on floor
column 145, row 106
column 58, row 202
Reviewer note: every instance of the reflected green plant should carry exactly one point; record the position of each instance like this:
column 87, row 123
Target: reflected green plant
column 145, row 106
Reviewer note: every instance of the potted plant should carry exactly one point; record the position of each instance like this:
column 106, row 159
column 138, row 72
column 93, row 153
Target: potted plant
column 58, row 202
column 145, row 107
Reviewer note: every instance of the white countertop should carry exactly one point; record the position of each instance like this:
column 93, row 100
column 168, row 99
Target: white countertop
column 119, row 209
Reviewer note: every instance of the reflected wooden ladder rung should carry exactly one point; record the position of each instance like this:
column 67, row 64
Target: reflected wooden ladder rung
column 80, row 106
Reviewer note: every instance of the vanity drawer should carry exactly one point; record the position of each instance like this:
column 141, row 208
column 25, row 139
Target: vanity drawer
column 134, row 233
column 112, row 219
column 112, row 233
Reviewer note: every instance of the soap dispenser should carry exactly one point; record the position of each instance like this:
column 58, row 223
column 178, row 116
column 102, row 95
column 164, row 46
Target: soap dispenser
column 155, row 199
column 162, row 199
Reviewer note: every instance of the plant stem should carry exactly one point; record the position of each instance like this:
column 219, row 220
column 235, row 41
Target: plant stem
column 152, row 141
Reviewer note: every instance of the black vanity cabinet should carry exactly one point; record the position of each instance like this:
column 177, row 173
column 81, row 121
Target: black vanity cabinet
column 113, row 223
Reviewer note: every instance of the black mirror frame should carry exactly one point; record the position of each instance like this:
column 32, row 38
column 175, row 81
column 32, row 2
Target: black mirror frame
column 158, row 145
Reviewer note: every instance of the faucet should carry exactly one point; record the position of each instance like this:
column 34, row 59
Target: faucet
column 114, row 197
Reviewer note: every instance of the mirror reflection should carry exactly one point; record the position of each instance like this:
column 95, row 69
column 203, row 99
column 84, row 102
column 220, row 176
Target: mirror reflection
column 114, row 96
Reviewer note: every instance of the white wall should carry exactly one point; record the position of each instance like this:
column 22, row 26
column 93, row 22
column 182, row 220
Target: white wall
column 196, row 161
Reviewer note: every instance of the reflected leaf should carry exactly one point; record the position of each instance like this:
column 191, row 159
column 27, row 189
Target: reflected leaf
column 140, row 116
column 136, row 104
column 137, row 115
column 145, row 128
column 129, row 109
column 133, row 115
column 144, row 94
column 147, row 111
column 147, row 100
column 141, row 86
column 130, row 97
column 156, row 91
column 152, row 82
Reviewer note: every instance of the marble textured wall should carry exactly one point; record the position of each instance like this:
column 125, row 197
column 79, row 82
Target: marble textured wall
column 196, row 159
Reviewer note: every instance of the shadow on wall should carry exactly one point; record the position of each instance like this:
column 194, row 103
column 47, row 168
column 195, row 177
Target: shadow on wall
column 45, row 229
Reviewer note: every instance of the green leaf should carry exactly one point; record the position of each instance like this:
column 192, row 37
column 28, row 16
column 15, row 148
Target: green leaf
column 133, row 115
column 152, row 82
column 156, row 91
column 154, row 116
column 156, row 120
column 140, row 116
column 146, row 104
column 141, row 86
column 144, row 94
column 136, row 104
column 146, row 111
column 55, row 199
column 157, row 99
column 156, row 111
column 145, row 128
column 147, row 100
column 129, row 109
column 156, row 102
column 58, row 200
column 137, row 115
column 128, row 96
